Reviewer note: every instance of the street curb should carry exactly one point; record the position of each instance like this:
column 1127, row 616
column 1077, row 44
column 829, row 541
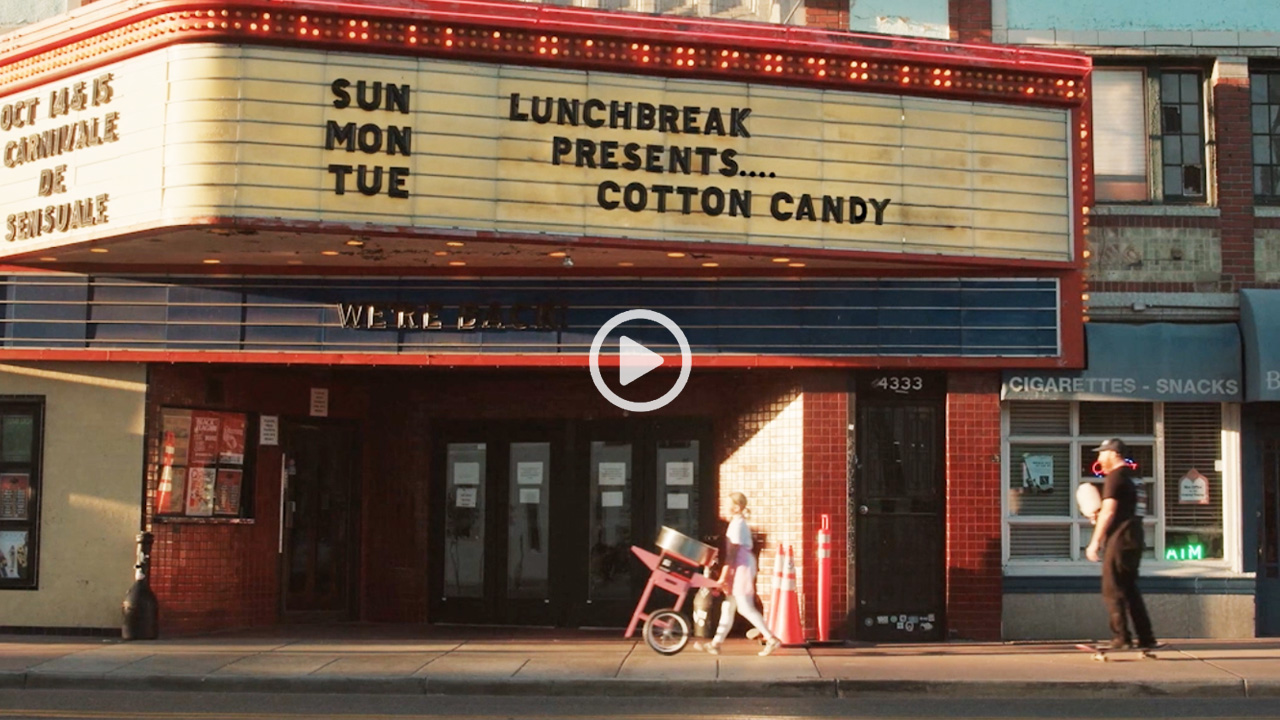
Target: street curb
column 1045, row 689
column 608, row 687
column 226, row 683
column 1263, row 688
column 636, row 688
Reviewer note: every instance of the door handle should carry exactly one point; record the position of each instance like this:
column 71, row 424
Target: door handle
column 863, row 509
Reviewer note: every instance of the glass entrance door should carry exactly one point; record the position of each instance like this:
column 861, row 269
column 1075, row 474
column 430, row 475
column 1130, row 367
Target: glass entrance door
column 613, row 521
column 493, row 546
column 530, row 468
column 1268, row 603
column 641, row 475
column 321, row 461
column 533, row 523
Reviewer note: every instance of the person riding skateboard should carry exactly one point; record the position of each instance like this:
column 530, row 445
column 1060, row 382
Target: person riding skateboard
column 1118, row 534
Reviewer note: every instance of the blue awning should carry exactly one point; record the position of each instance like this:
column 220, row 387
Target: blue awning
column 1158, row 361
column 1260, row 326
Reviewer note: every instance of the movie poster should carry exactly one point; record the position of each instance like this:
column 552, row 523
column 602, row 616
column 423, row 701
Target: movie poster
column 226, row 499
column 15, row 496
column 13, row 555
column 233, row 439
column 206, row 430
column 200, row 482
column 177, row 422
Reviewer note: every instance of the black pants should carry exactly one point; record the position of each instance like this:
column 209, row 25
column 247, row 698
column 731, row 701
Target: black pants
column 1120, row 584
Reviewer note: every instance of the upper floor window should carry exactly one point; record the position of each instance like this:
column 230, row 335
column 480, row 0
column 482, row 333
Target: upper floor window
column 1265, row 91
column 1149, row 135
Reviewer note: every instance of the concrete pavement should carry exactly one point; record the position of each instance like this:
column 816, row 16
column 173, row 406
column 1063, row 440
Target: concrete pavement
column 442, row 660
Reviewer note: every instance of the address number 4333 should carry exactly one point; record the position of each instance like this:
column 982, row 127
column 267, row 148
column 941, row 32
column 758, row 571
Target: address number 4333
column 899, row 384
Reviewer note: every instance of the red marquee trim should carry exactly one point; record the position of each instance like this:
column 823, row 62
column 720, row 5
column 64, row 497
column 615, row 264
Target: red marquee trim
column 549, row 36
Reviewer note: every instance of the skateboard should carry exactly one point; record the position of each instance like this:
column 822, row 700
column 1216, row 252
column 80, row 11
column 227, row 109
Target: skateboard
column 1101, row 652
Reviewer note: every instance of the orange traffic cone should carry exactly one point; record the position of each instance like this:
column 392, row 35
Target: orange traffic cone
column 778, row 561
column 788, row 619
column 164, row 493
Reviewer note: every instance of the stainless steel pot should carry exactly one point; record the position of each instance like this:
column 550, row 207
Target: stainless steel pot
column 677, row 543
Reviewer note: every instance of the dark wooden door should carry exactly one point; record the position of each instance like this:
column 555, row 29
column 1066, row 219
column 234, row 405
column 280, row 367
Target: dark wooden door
column 321, row 466
column 1268, row 603
column 899, row 479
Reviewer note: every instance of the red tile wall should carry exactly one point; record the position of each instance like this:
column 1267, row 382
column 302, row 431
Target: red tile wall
column 211, row 576
column 826, row 491
column 974, row 571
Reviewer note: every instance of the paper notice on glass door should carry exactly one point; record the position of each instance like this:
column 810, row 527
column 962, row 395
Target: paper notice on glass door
column 530, row 496
column 610, row 499
column 680, row 473
column 467, row 497
column 677, row 501
column 528, row 473
column 466, row 473
column 613, row 473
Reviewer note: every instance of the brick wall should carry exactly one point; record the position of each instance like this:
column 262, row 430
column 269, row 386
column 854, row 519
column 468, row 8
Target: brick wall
column 973, row 506
column 827, row 14
column 1234, row 162
column 971, row 21
column 1266, row 250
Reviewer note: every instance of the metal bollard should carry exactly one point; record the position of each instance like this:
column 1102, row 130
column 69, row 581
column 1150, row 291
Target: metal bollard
column 824, row 580
column 140, row 610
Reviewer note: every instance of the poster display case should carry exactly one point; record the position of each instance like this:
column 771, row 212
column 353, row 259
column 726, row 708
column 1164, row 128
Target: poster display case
column 21, row 431
column 202, row 463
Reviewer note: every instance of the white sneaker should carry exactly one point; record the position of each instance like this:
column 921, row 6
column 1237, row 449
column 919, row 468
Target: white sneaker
column 712, row 648
column 769, row 646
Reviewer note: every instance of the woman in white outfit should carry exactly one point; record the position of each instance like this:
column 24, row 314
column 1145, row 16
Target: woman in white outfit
column 738, row 578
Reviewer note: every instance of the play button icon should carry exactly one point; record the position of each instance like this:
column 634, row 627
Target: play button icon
column 636, row 360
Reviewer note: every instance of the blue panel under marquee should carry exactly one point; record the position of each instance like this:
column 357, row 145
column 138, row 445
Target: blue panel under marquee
column 1018, row 317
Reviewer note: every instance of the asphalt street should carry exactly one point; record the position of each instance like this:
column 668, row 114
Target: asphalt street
column 128, row 705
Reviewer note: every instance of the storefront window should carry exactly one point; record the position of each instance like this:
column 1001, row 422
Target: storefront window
column 1177, row 452
column 20, row 490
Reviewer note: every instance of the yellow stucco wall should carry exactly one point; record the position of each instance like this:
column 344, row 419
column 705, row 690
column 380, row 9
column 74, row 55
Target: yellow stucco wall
column 91, row 487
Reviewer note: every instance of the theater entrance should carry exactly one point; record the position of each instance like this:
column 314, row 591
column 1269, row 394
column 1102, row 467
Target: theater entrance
column 533, row 521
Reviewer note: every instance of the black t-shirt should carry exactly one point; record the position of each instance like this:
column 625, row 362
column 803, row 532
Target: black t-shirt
column 1119, row 486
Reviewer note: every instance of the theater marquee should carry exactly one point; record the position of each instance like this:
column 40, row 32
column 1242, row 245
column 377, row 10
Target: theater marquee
column 204, row 131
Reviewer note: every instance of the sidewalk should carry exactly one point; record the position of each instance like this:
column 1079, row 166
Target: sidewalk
column 506, row 661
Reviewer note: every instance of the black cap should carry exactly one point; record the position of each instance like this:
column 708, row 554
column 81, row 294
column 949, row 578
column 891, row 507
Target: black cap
column 1115, row 444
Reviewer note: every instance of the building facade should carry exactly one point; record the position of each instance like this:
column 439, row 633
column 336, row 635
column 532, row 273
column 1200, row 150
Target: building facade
column 341, row 272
